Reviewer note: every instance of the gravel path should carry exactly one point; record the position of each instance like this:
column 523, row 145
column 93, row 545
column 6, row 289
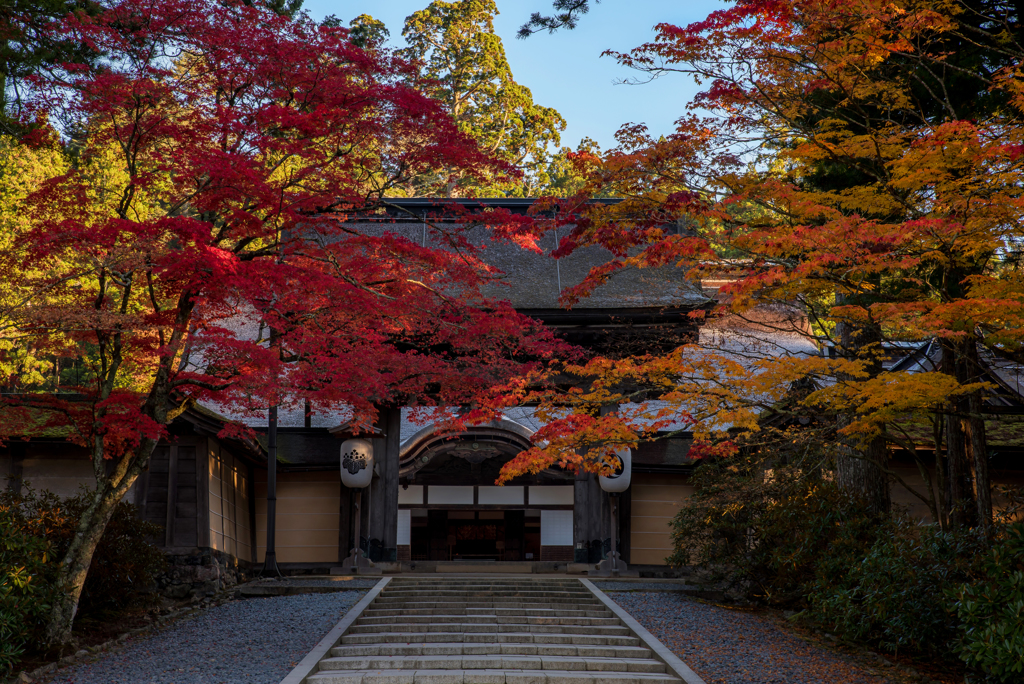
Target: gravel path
column 613, row 585
column 735, row 647
column 318, row 582
column 257, row 641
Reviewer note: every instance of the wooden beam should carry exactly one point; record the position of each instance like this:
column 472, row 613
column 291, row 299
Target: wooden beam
column 172, row 495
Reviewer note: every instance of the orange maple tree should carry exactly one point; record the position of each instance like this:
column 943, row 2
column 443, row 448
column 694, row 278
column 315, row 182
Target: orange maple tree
column 855, row 165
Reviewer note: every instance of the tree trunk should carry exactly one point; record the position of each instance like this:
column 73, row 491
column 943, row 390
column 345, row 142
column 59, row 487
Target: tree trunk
column 969, row 490
column 111, row 486
column 74, row 567
column 860, row 468
column 860, row 472
column 960, row 504
column 941, row 475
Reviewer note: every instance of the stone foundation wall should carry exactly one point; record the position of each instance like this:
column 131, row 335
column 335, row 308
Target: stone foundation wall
column 202, row 573
column 563, row 554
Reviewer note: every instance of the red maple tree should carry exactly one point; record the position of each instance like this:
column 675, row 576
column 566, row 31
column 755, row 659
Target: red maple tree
column 196, row 247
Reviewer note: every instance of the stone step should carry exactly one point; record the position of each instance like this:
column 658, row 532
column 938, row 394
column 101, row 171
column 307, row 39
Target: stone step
column 492, row 662
column 476, row 631
column 478, row 581
column 477, row 584
column 527, row 612
column 489, row 638
column 542, row 649
column 478, row 619
column 511, row 602
column 532, row 597
column 488, row 677
column 469, row 628
column 484, row 586
column 483, row 590
column 489, row 608
column 560, row 600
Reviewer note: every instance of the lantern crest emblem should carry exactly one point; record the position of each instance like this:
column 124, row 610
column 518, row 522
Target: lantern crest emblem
column 353, row 461
column 356, row 463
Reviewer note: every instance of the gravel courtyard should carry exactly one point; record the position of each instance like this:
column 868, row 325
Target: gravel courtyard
column 256, row 641
column 734, row 647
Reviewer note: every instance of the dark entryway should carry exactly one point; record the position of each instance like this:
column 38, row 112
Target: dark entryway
column 470, row 535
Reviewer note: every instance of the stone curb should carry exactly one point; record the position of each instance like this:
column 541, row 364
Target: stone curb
column 660, row 651
column 290, row 590
column 309, row 664
column 85, row 654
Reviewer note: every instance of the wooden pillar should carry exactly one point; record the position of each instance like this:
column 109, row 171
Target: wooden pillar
column 251, row 480
column 383, row 529
column 172, row 496
column 345, row 519
column 590, row 514
column 625, row 523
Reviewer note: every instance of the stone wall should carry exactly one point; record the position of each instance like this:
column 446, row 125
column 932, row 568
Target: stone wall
column 202, row 573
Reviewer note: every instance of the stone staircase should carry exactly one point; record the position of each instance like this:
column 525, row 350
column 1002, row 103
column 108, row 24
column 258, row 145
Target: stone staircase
column 489, row 631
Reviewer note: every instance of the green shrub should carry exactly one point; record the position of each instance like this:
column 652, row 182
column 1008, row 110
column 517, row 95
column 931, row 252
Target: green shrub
column 125, row 566
column 895, row 598
column 991, row 610
column 770, row 528
column 36, row 529
column 24, row 590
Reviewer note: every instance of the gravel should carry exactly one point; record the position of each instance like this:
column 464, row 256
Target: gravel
column 343, row 584
column 257, row 641
column 736, row 647
column 612, row 585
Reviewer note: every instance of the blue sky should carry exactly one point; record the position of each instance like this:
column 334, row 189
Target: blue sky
column 565, row 70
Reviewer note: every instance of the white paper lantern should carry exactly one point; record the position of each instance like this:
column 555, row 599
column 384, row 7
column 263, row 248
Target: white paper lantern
column 356, row 463
column 619, row 481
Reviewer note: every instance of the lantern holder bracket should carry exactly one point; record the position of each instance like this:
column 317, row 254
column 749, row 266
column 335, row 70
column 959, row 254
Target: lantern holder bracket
column 357, row 563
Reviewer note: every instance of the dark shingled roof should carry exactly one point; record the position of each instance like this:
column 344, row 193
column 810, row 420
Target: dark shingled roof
column 532, row 280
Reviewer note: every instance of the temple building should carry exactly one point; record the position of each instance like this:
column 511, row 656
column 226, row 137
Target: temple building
column 432, row 503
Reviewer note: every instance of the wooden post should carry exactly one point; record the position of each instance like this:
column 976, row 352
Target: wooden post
column 172, row 496
column 270, row 557
column 388, row 503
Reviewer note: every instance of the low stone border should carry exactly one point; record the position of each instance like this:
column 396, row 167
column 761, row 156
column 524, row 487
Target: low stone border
column 288, row 590
column 661, row 652
column 41, row 673
column 308, row 665
column 86, row 653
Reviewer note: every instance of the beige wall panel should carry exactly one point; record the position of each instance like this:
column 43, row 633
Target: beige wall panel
column 312, row 521
column 650, row 540
column 655, row 501
column 286, row 489
column 647, row 556
column 673, row 493
column 648, row 524
column 299, row 554
column 307, row 517
column 660, row 479
column 308, row 554
column 62, row 476
column 296, row 538
column 261, row 477
column 654, row 509
column 307, row 506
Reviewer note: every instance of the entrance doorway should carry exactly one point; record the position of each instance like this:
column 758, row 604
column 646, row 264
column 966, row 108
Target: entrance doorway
column 482, row 535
